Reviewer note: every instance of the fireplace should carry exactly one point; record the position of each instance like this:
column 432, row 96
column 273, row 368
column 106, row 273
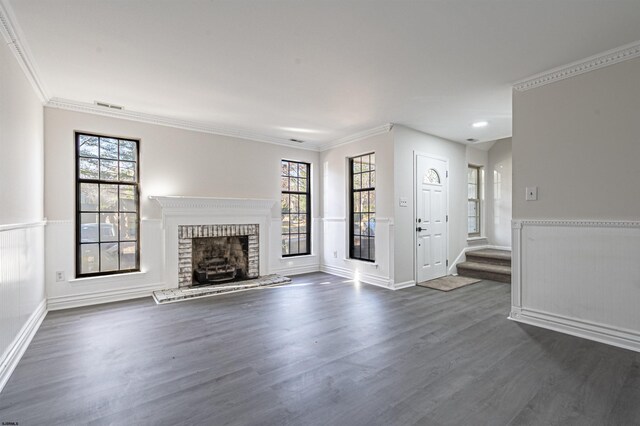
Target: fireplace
column 217, row 254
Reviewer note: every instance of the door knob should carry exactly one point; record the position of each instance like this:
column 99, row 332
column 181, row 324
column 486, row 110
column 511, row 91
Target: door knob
column 419, row 229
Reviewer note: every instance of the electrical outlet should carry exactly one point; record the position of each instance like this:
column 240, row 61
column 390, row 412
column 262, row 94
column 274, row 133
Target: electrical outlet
column 532, row 193
column 403, row 202
column 335, row 254
column 59, row 276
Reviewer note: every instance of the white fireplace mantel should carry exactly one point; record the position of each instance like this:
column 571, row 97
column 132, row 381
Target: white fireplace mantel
column 182, row 210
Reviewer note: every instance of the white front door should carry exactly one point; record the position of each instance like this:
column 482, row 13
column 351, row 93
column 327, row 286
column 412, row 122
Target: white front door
column 431, row 218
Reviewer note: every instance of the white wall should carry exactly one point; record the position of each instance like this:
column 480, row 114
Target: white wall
column 172, row 162
column 335, row 211
column 22, row 291
column 498, row 194
column 406, row 142
column 577, row 141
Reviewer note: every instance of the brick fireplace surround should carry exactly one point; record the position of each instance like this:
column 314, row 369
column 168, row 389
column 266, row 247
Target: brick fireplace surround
column 187, row 233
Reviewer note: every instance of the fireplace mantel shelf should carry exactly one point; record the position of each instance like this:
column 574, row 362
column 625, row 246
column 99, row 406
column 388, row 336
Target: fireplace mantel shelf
column 175, row 202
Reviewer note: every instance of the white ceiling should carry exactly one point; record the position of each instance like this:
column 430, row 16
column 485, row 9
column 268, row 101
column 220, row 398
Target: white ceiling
column 315, row 70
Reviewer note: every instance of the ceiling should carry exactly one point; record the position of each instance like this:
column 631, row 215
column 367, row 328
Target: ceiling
column 315, row 70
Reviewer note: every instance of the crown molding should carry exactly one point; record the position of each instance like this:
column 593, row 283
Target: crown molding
column 610, row 57
column 142, row 117
column 385, row 128
column 12, row 35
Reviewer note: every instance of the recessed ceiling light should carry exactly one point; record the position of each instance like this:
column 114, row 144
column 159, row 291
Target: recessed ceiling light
column 478, row 124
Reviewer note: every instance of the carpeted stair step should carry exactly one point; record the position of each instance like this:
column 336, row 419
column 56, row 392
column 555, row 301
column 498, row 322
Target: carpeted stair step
column 492, row 256
column 485, row 271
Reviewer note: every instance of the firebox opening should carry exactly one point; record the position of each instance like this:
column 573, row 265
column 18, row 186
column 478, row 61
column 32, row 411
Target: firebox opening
column 217, row 260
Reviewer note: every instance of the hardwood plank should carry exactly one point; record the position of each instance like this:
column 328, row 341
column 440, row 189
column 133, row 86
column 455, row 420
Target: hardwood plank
column 322, row 351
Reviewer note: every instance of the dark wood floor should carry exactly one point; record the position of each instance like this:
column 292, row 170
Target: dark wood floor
column 324, row 352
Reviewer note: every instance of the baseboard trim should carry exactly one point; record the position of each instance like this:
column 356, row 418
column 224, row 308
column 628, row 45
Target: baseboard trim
column 365, row 278
column 399, row 286
column 14, row 353
column 296, row 270
column 96, row 298
column 587, row 330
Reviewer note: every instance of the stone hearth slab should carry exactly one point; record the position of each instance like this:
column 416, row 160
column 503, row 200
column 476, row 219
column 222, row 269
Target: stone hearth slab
column 186, row 293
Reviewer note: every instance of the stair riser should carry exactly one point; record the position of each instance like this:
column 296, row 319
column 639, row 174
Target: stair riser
column 485, row 275
column 490, row 260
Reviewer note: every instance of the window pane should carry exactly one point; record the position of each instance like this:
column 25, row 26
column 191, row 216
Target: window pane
column 372, row 159
column 89, row 168
column 472, row 191
column 128, row 197
column 365, row 163
column 365, row 180
column 293, row 244
column 364, row 201
column 284, row 203
column 285, row 224
column 357, row 181
column 364, row 247
column 303, row 170
column 472, row 228
column 372, row 225
column 302, row 203
column 372, row 249
column 108, row 148
column 89, row 197
column 89, row 258
column 108, row 257
column 294, row 204
column 108, row 170
column 373, row 179
column 356, row 201
column 293, row 169
column 285, row 244
column 88, row 146
column 89, row 228
column 356, row 247
column 473, row 208
column 108, row 227
column 302, row 248
column 372, row 201
column 293, row 184
column 128, row 150
column 128, row 227
column 128, row 255
column 302, row 185
column 356, row 223
column 108, row 197
column 284, row 183
column 472, row 175
column 293, row 224
column 127, row 171
column 284, row 168
column 357, row 165
column 302, row 223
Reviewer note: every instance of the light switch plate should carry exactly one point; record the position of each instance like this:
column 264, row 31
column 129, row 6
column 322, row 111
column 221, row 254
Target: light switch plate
column 403, row 202
column 532, row 193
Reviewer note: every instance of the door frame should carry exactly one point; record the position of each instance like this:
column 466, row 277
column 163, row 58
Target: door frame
column 417, row 154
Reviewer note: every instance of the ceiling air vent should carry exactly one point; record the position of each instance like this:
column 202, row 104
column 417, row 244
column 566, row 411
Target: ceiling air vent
column 296, row 140
column 106, row 105
column 472, row 140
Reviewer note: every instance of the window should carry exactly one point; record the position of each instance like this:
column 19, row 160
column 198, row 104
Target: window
column 473, row 189
column 107, row 205
column 362, row 209
column 296, row 208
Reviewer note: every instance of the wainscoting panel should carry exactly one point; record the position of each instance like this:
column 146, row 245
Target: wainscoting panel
column 72, row 292
column 579, row 277
column 335, row 254
column 22, row 291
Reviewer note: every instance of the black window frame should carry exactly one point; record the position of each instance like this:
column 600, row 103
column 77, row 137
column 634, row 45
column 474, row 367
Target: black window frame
column 352, row 212
column 79, row 181
column 289, row 213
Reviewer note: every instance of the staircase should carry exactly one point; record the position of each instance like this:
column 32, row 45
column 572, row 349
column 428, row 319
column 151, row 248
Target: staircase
column 487, row 264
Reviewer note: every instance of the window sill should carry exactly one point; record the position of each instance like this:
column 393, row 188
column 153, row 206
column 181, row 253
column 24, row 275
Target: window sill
column 364, row 262
column 476, row 238
column 304, row 256
column 106, row 278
